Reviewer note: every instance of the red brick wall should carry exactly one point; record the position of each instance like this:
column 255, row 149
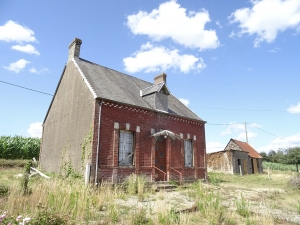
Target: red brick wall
column 108, row 169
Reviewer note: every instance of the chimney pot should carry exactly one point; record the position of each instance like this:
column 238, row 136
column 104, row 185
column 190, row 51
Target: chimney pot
column 160, row 78
column 74, row 49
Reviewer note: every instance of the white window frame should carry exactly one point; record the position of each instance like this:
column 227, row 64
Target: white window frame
column 188, row 153
column 126, row 148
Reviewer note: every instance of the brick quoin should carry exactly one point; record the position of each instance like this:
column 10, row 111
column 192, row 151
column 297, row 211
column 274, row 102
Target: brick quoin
column 144, row 146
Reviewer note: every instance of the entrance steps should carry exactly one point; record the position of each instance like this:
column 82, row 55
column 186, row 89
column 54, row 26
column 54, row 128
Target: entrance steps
column 164, row 186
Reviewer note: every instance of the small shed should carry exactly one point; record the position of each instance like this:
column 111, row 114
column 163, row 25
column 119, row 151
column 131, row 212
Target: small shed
column 237, row 157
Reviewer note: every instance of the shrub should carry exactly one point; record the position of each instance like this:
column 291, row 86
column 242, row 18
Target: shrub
column 48, row 217
column 242, row 207
column 295, row 182
column 3, row 190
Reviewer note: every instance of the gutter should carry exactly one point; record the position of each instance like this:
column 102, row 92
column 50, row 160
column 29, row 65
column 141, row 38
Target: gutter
column 98, row 143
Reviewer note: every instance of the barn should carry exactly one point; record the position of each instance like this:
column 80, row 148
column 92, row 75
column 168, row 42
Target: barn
column 237, row 158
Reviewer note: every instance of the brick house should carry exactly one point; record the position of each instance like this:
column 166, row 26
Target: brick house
column 107, row 125
column 237, row 157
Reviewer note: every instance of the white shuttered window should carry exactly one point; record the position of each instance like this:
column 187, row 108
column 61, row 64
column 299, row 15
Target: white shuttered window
column 125, row 148
column 188, row 153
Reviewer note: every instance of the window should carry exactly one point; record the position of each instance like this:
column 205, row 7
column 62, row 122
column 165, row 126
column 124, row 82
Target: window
column 188, row 153
column 126, row 148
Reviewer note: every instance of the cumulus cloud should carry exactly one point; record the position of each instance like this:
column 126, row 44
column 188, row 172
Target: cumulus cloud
column 278, row 143
column 154, row 59
column 26, row 48
column 170, row 20
column 184, row 101
column 42, row 71
column 249, row 135
column 17, row 66
column 235, row 128
column 35, row 130
column 294, row 108
column 266, row 19
column 12, row 31
column 214, row 147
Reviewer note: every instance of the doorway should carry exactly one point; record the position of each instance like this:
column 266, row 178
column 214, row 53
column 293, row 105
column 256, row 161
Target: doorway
column 160, row 158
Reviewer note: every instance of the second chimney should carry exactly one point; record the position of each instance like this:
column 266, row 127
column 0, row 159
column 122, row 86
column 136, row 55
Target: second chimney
column 74, row 49
column 160, row 78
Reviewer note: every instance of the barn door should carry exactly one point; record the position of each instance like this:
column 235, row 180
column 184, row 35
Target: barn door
column 254, row 163
column 245, row 166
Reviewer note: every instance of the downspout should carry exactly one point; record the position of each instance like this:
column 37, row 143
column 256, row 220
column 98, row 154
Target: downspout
column 98, row 143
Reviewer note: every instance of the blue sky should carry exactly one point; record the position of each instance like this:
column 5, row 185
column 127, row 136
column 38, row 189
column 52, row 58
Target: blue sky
column 230, row 62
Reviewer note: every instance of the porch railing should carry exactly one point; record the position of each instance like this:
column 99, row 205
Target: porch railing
column 161, row 172
column 180, row 175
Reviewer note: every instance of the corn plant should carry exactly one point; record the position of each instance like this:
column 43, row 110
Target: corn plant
column 19, row 147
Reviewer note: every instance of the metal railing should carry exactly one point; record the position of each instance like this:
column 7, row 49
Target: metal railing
column 161, row 172
column 180, row 175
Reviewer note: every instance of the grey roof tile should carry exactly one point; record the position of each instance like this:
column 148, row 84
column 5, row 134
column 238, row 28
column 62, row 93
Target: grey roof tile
column 116, row 86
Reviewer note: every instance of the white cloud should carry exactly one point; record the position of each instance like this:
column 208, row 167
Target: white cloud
column 42, row 71
column 26, row 48
column 233, row 127
column 17, row 66
column 214, row 147
column 219, row 24
column 237, row 128
column 277, row 143
column 294, row 108
column 184, row 101
column 242, row 135
column 12, row 31
column 266, row 19
column 35, row 130
column 170, row 20
column 154, row 59
column 274, row 50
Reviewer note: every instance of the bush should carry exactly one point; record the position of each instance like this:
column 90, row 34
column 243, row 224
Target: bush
column 3, row 190
column 295, row 182
column 48, row 217
column 19, row 147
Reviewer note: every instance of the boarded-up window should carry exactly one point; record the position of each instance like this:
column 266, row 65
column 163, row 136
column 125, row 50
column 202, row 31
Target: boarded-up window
column 188, row 153
column 126, row 148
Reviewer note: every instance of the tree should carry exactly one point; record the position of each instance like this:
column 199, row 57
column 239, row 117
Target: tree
column 293, row 156
column 264, row 155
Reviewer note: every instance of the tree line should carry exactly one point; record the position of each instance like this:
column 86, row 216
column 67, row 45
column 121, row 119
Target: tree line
column 289, row 155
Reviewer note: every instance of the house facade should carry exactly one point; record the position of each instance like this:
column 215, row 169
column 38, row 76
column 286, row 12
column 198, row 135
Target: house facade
column 108, row 125
column 237, row 157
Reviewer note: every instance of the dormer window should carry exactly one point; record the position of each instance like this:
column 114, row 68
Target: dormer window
column 157, row 94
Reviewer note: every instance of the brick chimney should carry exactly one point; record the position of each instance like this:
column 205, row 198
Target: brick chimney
column 160, row 78
column 74, row 49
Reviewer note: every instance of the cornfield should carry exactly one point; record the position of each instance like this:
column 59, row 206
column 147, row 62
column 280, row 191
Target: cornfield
column 279, row 166
column 19, row 147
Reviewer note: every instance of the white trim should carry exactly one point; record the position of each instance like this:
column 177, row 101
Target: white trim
column 85, row 79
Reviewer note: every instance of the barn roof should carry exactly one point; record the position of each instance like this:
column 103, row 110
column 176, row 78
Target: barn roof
column 248, row 148
column 112, row 85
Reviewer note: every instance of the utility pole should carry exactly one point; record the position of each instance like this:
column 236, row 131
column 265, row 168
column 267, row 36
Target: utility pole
column 246, row 132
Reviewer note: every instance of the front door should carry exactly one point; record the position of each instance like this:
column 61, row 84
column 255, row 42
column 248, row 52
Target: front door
column 160, row 158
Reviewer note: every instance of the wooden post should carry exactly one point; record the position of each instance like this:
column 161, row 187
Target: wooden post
column 269, row 173
column 240, row 166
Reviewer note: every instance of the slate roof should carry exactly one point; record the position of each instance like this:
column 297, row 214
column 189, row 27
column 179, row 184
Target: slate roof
column 112, row 85
column 155, row 88
column 248, row 148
